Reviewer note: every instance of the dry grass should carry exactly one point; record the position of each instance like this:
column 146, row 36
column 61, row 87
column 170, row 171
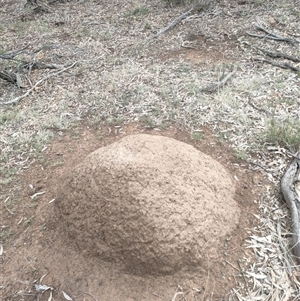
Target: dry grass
column 123, row 75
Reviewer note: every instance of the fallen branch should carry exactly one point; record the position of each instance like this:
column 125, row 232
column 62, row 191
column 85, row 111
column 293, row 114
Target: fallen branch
column 17, row 99
column 271, row 36
column 39, row 65
column 279, row 55
column 10, row 77
column 15, row 78
column 11, row 55
column 260, row 109
column 175, row 22
column 289, row 183
column 275, row 36
column 255, row 35
column 215, row 86
column 283, row 66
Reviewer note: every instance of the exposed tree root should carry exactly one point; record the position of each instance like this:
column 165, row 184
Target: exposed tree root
column 290, row 187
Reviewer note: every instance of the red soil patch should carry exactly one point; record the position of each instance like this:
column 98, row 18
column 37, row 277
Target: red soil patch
column 202, row 49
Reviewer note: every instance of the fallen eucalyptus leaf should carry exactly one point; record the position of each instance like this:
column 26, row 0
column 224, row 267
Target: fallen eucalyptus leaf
column 67, row 297
column 40, row 288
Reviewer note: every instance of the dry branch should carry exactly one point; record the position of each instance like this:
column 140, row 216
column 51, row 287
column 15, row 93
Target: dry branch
column 17, row 99
column 289, row 183
column 215, row 86
column 271, row 36
column 39, row 65
column 283, row 66
column 11, row 55
column 15, row 78
column 175, row 22
column 10, row 77
column 279, row 55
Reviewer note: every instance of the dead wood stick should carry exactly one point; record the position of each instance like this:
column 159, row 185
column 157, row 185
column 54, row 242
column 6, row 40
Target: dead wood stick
column 293, row 68
column 11, row 77
column 288, row 181
column 214, row 86
column 15, row 77
column 11, row 55
column 279, row 55
column 295, row 156
column 39, row 65
column 17, row 99
column 271, row 35
column 283, row 66
column 255, row 35
column 175, row 22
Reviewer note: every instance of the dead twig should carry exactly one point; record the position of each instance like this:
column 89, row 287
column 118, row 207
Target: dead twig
column 17, row 99
column 260, row 109
column 217, row 85
column 13, row 54
column 271, row 36
column 283, row 66
column 175, row 22
column 255, row 35
column 90, row 296
column 6, row 206
column 12, row 77
column 177, row 294
column 39, row 65
column 295, row 156
column 15, row 78
column 279, row 55
column 8, row 76
column 232, row 265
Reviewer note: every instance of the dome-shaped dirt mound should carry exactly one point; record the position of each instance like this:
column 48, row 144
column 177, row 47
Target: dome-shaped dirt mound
column 150, row 202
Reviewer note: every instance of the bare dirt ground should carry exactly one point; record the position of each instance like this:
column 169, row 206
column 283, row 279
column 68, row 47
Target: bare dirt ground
column 123, row 82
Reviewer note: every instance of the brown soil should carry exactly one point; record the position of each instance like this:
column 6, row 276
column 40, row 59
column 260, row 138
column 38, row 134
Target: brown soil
column 38, row 252
column 198, row 48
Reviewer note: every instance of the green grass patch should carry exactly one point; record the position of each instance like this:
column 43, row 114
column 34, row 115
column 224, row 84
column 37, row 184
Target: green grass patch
column 138, row 11
column 9, row 115
column 240, row 155
column 197, row 136
column 5, row 234
column 284, row 133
